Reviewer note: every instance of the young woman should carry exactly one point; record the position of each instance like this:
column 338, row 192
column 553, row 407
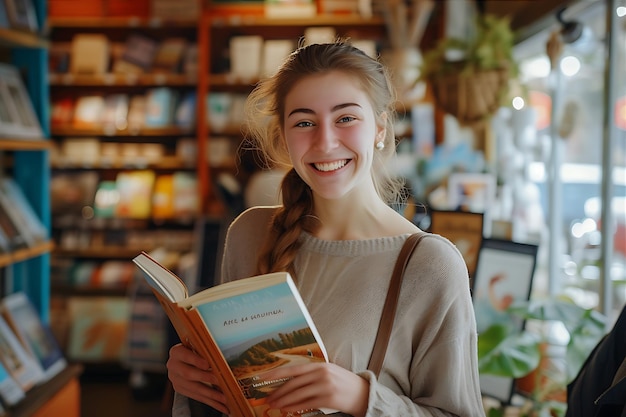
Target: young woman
column 326, row 116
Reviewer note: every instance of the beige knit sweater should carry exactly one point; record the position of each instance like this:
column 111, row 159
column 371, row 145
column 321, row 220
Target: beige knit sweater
column 431, row 364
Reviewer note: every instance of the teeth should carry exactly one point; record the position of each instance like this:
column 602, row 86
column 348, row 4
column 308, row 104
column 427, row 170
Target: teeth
column 330, row 166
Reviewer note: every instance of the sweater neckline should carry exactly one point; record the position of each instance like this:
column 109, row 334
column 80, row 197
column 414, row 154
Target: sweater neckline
column 361, row 247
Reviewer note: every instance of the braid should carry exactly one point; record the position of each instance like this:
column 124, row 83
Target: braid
column 281, row 246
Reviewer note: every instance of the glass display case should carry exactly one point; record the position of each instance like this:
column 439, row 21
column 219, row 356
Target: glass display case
column 577, row 155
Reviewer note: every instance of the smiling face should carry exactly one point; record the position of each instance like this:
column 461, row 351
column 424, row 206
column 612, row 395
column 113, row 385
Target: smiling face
column 330, row 130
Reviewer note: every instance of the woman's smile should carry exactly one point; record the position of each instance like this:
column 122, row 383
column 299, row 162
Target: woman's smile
column 330, row 166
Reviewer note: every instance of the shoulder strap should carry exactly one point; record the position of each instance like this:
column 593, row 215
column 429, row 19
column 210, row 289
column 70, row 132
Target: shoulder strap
column 391, row 303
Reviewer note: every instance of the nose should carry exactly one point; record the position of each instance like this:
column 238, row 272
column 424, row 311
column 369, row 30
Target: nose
column 326, row 138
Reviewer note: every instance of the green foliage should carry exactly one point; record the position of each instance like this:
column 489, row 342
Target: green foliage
column 507, row 352
column 491, row 48
column 502, row 352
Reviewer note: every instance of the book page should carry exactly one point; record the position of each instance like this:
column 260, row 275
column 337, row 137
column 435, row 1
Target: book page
column 236, row 287
column 161, row 279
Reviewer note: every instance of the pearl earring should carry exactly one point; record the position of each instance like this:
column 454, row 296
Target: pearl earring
column 380, row 145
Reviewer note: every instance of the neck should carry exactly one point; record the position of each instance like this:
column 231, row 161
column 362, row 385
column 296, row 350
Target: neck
column 353, row 219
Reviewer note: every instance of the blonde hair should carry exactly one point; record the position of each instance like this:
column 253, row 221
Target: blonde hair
column 264, row 121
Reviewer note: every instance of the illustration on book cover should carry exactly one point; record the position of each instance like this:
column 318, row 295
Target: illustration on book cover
column 259, row 331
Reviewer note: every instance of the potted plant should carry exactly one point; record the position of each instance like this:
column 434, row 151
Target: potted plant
column 504, row 351
column 469, row 77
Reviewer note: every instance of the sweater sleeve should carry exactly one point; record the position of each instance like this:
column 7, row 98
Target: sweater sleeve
column 435, row 309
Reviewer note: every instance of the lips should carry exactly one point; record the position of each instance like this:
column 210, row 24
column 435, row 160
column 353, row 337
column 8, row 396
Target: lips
column 330, row 166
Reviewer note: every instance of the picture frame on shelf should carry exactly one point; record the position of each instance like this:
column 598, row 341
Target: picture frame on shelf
column 473, row 192
column 464, row 229
column 17, row 114
column 22, row 15
column 504, row 274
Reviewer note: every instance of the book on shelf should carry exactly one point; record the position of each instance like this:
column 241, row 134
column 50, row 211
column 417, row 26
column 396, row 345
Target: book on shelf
column 160, row 107
column 243, row 328
column 245, row 56
column 163, row 197
column 98, row 328
column 106, row 199
column 62, row 111
column 9, row 228
column 290, row 9
column 137, row 56
column 169, row 55
column 185, row 198
column 115, row 114
column 35, row 336
column 5, row 243
column 134, row 190
column 14, row 192
column 17, row 361
column 89, row 54
column 19, row 220
column 88, row 111
column 11, row 392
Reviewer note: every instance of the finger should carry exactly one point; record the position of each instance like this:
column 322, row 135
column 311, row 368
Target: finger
column 204, row 394
column 188, row 356
column 297, row 393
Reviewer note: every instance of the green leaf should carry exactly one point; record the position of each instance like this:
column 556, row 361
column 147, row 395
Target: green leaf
column 507, row 355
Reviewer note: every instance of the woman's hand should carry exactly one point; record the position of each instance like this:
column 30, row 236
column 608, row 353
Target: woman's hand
column 319, row 385
column 190, row 375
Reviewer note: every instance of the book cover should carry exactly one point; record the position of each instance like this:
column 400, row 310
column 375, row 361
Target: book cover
column 18, row 361
column 139, row 51
column 185, row 200
column 134, row 194
column 16, row 224
column 15, row 193
column 163, row 197
column 5, row 243
column 34, row 335
column 242, row 328
column 106, row 199
column 15, row 239
column 98, row 328
column 169, row 55
column 88, row 111
column 89, row 54
column 160, row 107
column 245, row 56
column 10, row 391
column 62, row 111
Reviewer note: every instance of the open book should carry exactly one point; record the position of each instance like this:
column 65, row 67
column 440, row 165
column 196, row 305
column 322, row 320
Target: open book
column 242, row 328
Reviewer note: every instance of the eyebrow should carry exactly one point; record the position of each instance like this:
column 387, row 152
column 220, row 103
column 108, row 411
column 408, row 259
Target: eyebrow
column 335, row 108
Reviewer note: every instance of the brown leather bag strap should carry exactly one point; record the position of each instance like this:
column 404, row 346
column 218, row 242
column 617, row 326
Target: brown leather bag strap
column 391, row 303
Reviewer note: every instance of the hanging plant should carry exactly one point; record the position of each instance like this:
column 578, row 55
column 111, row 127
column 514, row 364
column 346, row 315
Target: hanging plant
column 469, row 78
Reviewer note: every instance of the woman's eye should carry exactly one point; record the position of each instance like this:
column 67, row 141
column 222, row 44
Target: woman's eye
column 346, row 119
column 304, row 124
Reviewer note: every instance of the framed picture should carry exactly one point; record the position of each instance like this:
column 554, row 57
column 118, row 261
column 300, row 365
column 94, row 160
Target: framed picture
column 504, row 275
column 22, row 15
column 17, row 115
column 464, row 229
column 473, row 192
